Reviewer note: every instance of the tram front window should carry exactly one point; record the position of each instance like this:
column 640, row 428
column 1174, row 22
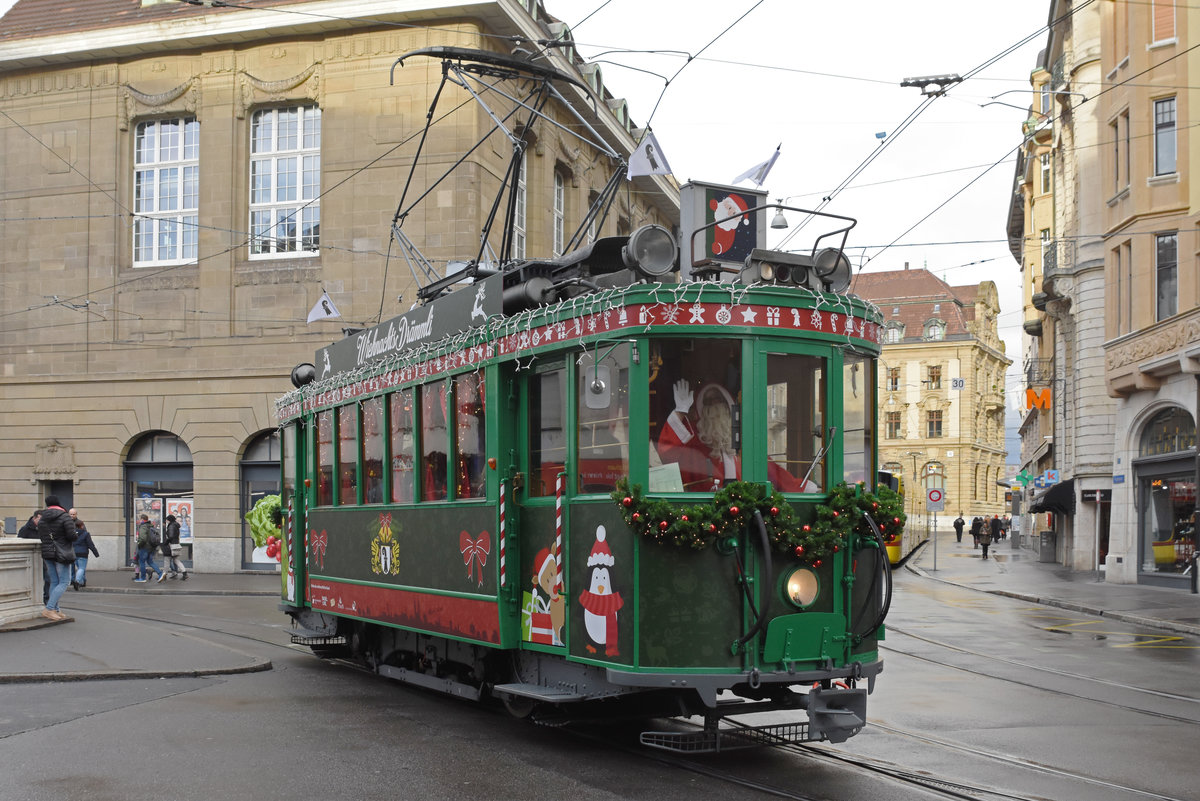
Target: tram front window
column 796, row 437
column 695, row 414
column 547, row 435
column 603, row 419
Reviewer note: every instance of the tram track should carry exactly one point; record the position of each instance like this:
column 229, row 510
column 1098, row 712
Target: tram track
column 1062, row 674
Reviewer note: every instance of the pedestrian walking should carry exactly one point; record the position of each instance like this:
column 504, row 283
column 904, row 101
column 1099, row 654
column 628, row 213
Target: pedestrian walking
column 147, row 544
column 57, row 532
column 958, row 527
column 985, row 538
column 29, row 531
column 170, row 549
column 976, row 526
column 83, row 546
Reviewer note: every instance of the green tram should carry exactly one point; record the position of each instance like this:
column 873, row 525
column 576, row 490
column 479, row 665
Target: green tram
column 585, row 489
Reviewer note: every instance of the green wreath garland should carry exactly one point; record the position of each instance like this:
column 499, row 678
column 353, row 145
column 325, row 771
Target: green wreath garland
column 732, row 510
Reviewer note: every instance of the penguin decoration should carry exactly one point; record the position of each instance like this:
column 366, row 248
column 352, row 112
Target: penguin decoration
column 599, row 602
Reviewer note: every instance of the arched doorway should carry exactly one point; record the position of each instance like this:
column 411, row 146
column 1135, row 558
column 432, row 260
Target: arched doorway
column 1166, row 488
column 158, row 482
column 259, row 477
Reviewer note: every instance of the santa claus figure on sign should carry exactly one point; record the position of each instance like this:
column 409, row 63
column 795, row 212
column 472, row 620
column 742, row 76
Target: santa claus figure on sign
column 728, row 232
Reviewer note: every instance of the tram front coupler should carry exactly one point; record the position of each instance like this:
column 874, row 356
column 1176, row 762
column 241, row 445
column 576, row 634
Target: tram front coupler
column 837, row 714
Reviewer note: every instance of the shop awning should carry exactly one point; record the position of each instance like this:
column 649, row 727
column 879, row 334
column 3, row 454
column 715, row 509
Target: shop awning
column 1060, row 498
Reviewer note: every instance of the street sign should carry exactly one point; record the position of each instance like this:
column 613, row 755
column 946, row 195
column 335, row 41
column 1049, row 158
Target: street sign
column 1052, row 477
column 935, row 500
column 958, row 383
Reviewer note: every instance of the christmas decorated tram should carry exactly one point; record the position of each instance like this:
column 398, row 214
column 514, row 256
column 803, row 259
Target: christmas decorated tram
column 615, row 482
column 650, row 498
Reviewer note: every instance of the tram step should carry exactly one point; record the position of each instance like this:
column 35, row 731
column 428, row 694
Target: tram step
column 727, row 739
column 537, row 692
column 300, row 639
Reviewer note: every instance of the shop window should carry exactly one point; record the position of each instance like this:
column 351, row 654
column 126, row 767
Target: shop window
column 434, row 442
column 158, row 474
column 1169, row 523
column 470, row 439
column 260, row 473
column 547, row 430
column 1169, row 431
column 400, row 412
column 603, row 419
column 372, row 450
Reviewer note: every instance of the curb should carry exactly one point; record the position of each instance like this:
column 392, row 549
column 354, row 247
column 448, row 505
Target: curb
column 109, row 675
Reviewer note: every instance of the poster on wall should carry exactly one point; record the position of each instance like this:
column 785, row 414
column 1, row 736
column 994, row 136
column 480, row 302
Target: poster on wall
column 150, row 507
column 183, row 508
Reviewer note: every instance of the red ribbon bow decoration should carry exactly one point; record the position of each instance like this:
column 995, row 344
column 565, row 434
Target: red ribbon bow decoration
column 475, row 551
column 319, row 543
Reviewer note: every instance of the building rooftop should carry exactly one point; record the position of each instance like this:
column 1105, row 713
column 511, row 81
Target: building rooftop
column 913, row 297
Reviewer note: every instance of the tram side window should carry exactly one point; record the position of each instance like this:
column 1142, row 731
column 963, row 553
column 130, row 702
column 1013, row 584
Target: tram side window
column 547, row 431
column 434, row 441
column 347, row 455
column 403, row 446
column 858, row 410
column 325, row 458
column 794, row 422
column 470, row 436
column 603, row 420
column 372, row 446
column 287, row 459
column 695, row 414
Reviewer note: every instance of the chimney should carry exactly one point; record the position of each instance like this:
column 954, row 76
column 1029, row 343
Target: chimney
column 906, row 265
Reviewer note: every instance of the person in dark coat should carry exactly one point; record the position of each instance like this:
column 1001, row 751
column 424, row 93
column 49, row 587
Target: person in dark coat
column 958, row 526
column 83, row 545
column 976, row 527
column 29, row 531
column 57, row 532
column 170, row 545
column 985, row 537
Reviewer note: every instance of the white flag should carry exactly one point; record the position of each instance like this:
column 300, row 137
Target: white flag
column 758, row 173
column 648, row 159
column 324, row 309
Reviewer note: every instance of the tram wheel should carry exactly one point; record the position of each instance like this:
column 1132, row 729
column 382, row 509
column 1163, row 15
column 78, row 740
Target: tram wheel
column 518, row 707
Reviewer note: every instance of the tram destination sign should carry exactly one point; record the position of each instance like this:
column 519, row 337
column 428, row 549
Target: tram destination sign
column 465, row 308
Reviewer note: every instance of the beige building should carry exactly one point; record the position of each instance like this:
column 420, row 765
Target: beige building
column 180, row 186
column 941, row 390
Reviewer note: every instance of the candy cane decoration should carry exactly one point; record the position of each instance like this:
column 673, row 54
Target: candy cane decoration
column 558, row 496
column 501, row 533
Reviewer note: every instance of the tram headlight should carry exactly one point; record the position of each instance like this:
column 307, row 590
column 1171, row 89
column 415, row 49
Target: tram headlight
column 802, row 586
column 651, row 250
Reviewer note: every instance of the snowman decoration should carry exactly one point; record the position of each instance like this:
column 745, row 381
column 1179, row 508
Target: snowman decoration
column 599, row 602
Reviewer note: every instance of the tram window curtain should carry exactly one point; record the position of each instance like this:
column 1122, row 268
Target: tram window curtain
column 403, row 450
column 325, row 457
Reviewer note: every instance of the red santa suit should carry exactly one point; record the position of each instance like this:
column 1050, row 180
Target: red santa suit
column 702, row 470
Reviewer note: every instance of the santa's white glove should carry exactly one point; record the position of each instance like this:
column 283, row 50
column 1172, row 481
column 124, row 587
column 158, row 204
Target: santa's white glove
column 683, row 396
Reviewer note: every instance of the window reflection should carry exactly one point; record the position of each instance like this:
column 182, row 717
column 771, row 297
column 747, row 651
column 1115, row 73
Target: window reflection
column 434, row 441
column 325, row 458
column 858, row 411
column 347, row 455
column 470, row 436
column 547, row 430
column 372, row 412
column 603, row 416
column 403, row 447
column 796, row 437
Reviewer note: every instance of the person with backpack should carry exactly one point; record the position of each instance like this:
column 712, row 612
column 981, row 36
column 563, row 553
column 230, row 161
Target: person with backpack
column 170, row 547
column 57, row 532
column 147, row 543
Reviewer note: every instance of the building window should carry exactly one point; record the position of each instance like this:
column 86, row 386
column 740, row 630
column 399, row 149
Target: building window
column 166, row 191
column 559, row 213
column 1045, row 163
column 1163, row 21
column 518, row 238
column 933, row 424
column 1164, row 136
column 934, row 379
column 285, row 181
column 892, row 422
column 893, row 333
column 935, row 330
column 893, row 379
column 1166, row 265
column 1044, row 94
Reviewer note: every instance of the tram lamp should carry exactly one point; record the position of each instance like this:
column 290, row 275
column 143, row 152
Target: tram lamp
column 802, row 586
column 303, row 373
column 651, row 251
column 827, row 270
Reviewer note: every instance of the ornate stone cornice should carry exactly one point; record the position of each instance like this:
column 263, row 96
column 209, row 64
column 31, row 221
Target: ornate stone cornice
column 276, row 275
column 136, row 100
column 1154, row 342
column 256, row 90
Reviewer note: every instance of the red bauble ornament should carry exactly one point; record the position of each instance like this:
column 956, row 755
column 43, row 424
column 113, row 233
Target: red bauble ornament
column 684, row 518
column 712, row 527
column 896, row 520
column 799, row 550
column 836, row 513
column 637, row 516
column 807, row 528
column 817, row 563
column 835, row 549
column 774, row 511
column 627, row 501
column 733, row 511
column 663, row 526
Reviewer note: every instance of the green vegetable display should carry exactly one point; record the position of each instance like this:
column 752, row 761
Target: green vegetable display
column 264, row 519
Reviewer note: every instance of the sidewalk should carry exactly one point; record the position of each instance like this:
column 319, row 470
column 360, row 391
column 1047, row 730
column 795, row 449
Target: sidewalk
column 1017, row 573
column 91, row 647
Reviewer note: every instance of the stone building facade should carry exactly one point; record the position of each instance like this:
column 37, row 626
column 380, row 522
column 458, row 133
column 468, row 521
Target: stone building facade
column 180, row 186
column 941, row 390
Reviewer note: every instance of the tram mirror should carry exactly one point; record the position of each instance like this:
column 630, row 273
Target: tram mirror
column 597, row 386
column 833, row 268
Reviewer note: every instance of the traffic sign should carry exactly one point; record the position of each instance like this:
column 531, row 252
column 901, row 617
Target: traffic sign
column 958, row 383
column 1052, row 477
column 935, row 500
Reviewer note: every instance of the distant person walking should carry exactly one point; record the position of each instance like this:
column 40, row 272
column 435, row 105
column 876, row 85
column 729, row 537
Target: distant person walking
column 57, row 532
column 146, row 545
column 985, row 538
column 83, row 545
column 958, row 527
column 976, row 527
column 170, row 546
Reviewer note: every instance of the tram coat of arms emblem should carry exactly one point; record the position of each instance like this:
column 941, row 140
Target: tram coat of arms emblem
column 384, row 561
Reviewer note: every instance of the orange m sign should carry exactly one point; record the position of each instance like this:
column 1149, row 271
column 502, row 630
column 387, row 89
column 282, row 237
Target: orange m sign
column 1037, row 397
